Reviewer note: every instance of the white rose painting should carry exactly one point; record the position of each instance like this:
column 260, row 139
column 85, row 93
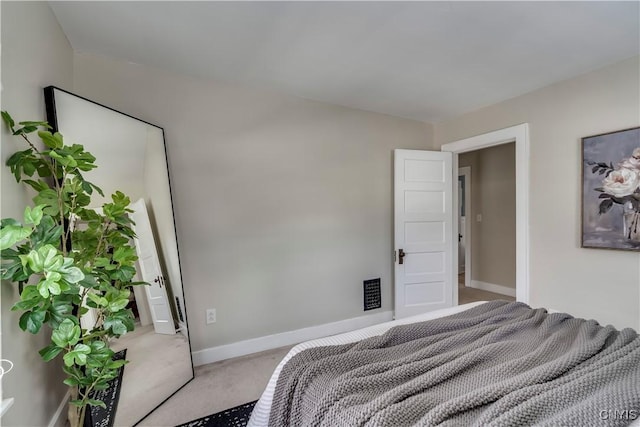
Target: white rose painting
column 611, row 190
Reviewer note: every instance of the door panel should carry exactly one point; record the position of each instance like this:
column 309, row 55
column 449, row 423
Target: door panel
column 423, row 230
column 150, row 271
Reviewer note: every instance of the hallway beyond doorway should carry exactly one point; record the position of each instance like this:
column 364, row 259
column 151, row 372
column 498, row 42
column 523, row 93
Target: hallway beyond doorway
column 466, row 295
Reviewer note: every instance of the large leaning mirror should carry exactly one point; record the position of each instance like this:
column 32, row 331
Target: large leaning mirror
column 131, row 158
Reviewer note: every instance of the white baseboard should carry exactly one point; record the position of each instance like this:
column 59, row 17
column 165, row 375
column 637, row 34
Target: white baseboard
column 55, row 420
column 491, row 287
column 241, row 348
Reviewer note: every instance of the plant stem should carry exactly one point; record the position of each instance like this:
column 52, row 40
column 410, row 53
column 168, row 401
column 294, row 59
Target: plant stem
column 93, row 334
column 71, row 211
column 73, row 412
column 60, row 190
column 102, row 235
column 56, row 183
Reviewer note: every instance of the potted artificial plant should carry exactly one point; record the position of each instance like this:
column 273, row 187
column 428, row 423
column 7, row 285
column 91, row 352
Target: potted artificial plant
column 61, row 269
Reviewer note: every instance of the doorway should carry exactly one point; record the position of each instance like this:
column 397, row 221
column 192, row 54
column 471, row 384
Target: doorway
column 519, row 135
column 464, row 222
column 486, row 224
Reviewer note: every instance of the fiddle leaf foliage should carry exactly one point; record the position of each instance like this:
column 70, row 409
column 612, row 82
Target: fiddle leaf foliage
column 68, row 257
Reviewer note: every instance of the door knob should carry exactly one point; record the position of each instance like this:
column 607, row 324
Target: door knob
column 401, row 255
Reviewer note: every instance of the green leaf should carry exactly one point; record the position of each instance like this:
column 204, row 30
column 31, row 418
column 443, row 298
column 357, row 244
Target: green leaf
column 95, row 402
column 78, row 355
column 8, row 120
column 12, row 234
column 25, row 129
column 31, row 321
column 36, row 185
column 118, row 304
column 119, row 323
column 97, row 299
column 35, row 259
column 49, row 198
column 68, row 333
column 52, row 259
column 124, row 255
column 140, row 283
column 35, row 123
column 16, row 158
column 59, row 311
column 11, row 267
column 124, row 274
column 52, row 283
column 29, row 292
column 82, row 348
column 9, row 221
column 70, row 273
column 46, row 233
column 120, row 199
column 73, row 275
column 51, row 140
column 86, row 187
column 102, row 262
column 55, row 155
column 26, row 305
column 89, row 281
column 115, row 364
column 50, row 352
column 12, row 272
column 100, row 355
column 71, row 382
column 46, row 259
column 28, row 168
column 33, row 216
column 43, row 288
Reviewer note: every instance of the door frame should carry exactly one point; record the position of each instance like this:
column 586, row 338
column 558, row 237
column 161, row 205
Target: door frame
column 520, row 135
column 466, row 172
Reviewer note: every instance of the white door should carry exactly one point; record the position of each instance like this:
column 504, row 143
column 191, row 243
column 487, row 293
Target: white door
column 424, row 244
column 150, row 270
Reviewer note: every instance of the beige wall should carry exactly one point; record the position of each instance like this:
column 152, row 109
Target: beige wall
column 591, row 283
column 35, row 53
column 493, row 195
column 283, row 205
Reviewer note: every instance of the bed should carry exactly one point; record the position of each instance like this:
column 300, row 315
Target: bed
column 484, row 363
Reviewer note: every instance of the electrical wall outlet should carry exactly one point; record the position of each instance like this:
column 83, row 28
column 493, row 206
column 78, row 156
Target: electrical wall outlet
column 211, row 316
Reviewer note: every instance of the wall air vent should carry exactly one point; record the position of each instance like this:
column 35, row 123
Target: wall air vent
column 372, row 297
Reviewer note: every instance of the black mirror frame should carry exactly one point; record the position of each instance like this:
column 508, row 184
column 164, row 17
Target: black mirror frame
column 52, row 119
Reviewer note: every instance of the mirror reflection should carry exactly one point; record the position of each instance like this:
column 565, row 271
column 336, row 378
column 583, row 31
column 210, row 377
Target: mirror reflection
column 131, row 158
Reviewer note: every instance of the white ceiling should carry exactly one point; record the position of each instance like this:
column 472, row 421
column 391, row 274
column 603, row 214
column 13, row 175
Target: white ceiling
column 422, row 60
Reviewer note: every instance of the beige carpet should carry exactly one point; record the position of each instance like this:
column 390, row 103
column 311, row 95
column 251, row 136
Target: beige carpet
column 466, row 295
column 218, row 386
column 158, row 365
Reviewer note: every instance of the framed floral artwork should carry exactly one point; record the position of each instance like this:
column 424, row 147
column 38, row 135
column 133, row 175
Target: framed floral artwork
column 611, row 190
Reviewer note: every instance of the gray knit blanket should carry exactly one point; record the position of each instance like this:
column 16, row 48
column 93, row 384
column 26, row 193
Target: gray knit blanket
column 499, row 363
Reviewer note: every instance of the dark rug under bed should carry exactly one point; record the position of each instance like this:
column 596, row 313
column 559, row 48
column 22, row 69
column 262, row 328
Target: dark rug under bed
column 234, row 417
